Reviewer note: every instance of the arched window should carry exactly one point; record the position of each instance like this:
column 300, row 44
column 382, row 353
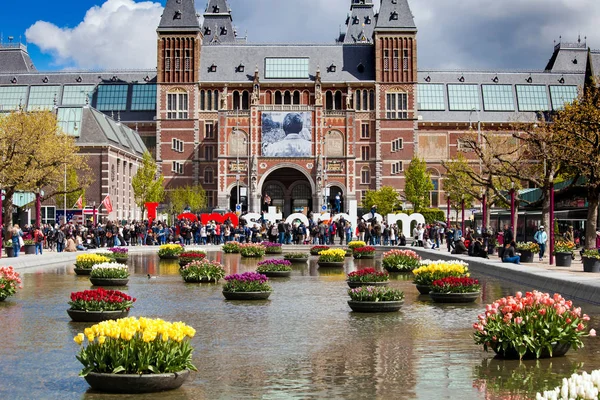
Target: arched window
column 268, row 97
column 334, row 144
column 278, row 98
column 365, row 176
column 365, row 100
column 215, row 99
column 238, row 144
column 236, row 100
column 274, row 191
column 202, row 100
column 329, row 101
column 371, row 100
column 245, row 100
column 287, row 97
column 305, row 98
column 209, row 102
column 338, row 100
column 302, row 191
column 357, row 100
column 296, row 99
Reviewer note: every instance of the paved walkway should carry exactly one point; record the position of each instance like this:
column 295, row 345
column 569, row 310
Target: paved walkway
column 570, row 282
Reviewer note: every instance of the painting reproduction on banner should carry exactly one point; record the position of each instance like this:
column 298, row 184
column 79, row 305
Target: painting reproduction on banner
column 287, row 134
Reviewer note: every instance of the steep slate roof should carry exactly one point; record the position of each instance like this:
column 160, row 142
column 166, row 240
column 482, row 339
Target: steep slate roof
column 595, row 62
column 481, row 78
column 217, row 26
column 14, row 58
column 395, row 8
column 568, row 57
column 179, row 15
column 100, row 130
column 361, row 22
column 346, row 59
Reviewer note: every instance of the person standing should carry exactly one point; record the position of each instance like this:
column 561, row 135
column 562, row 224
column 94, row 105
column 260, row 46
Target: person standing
column 541, row 238
column 38, row 237
column 16, row 235
column 338, row 202
column 60, row 240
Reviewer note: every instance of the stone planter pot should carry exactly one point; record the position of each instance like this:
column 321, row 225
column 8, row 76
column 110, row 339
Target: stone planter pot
column 246, row 295
column 526, row 256
column 168, row 257
column 558, row 350
column 398, row 268
column 297, row 260
column 354, row 285
column 591, row 264
column 96, row 316
column 375, row 306
column 349, row 253
column 252, row 256
column 275, row 250
column 134, row 384
column 29, row 248
column 121, row 260
column 423, row 289
column 109, row 282
column 277, row 274
column 183, row 263
column 82, row 271
column 454, row 297
column 316, row 253
column 10, row 252
column 364, row 257
column 564, row 259
column 324, row 264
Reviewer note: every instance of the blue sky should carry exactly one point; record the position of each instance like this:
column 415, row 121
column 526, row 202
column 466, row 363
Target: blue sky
column 468, row 34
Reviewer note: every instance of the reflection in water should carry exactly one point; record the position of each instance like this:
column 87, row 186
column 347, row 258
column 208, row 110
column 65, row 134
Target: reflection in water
column 302, row 343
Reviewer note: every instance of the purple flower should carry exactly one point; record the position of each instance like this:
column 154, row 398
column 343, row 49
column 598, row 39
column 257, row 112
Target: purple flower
column 275, row 262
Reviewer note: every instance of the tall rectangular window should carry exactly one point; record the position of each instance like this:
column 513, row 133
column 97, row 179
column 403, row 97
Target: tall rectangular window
column 397, row 144
column 365, row 153
column 532, row 98
column 177, row 60
column 209, row 176
column 364, row 132
column 12, row 96
column 177, row 145
column 386, row 60
column 188, row 60
column 396, row 60
column 498, row 98
column 177, row 106
column 209, row 153
column 463, row 97
column 209, row 130
column 112, row 97
column 167, row 59
column 177, row 167
column 42, row 97
column 365, row 176
column 397, row 106
column 77, row 95
column 405, row 60
column 143, row 97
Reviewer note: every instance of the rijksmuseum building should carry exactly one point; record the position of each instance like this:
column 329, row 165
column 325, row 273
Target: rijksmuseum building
column 299, row 122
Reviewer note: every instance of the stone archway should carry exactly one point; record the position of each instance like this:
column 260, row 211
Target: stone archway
column 290, row 188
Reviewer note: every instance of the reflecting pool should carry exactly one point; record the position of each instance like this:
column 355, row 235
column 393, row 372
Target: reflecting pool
column 304, row 342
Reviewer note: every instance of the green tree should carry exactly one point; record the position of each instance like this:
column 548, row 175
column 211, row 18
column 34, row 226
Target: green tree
column 418, row 184
column 181, row 198
column 387, row 200
column 33, row 154
column 147, row 187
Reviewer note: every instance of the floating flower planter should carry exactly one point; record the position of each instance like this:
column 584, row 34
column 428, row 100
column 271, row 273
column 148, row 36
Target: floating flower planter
column 368, row 277
column 272, row 248
column 109, row 274
column 136, row 358
column 99, row 305
column 455, row 290
column 431, row 271
column 10, row 280
column 202, row 271
column 252, row 250
column 296, row 258
column 247, row 286
column 170, row 251
column 332, row 258
column 400, row 260
column 275, row 268
column 524, row 326
column 190, row 256
column 85, row 262
column 369, row 299
column 315, row 250
column 366, row 252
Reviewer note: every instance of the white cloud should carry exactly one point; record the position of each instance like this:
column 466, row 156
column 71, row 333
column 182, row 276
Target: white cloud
column 469, row 34
column 117, row 34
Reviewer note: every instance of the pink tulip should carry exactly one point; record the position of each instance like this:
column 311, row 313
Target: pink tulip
column 592, row 332
column 518, row 320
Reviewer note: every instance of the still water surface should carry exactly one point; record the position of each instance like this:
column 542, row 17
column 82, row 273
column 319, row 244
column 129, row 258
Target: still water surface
column 303, row 343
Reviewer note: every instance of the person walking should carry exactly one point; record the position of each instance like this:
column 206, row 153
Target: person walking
column 541, row 237
column 17, row 236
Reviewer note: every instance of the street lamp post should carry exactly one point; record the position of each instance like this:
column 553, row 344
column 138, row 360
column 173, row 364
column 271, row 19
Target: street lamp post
column 551, row 227
column 65, row 196
column 462, row 203
column 512, row 208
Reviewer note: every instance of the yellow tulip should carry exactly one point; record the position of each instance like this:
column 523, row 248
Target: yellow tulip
column 101, row 339
column 79, row 338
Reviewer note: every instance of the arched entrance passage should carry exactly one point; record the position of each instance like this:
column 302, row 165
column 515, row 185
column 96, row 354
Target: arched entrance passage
column 290, row 191
column 233, row 198
column 334, row 191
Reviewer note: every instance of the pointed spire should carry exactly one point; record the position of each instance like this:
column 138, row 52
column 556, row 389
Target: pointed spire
column 218, row 23
column 179, row 15
column 395, row 15
column 360, row 22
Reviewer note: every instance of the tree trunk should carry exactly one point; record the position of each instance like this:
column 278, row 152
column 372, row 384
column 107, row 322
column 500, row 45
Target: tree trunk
column 515, row 220
column 7, row 209
column 592, row 218
column 546, row 212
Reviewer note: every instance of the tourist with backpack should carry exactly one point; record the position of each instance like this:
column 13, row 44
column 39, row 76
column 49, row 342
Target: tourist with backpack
column 38, row 237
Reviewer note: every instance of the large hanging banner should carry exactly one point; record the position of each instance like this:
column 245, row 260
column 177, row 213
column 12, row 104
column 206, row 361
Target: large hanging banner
column 287, row 134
